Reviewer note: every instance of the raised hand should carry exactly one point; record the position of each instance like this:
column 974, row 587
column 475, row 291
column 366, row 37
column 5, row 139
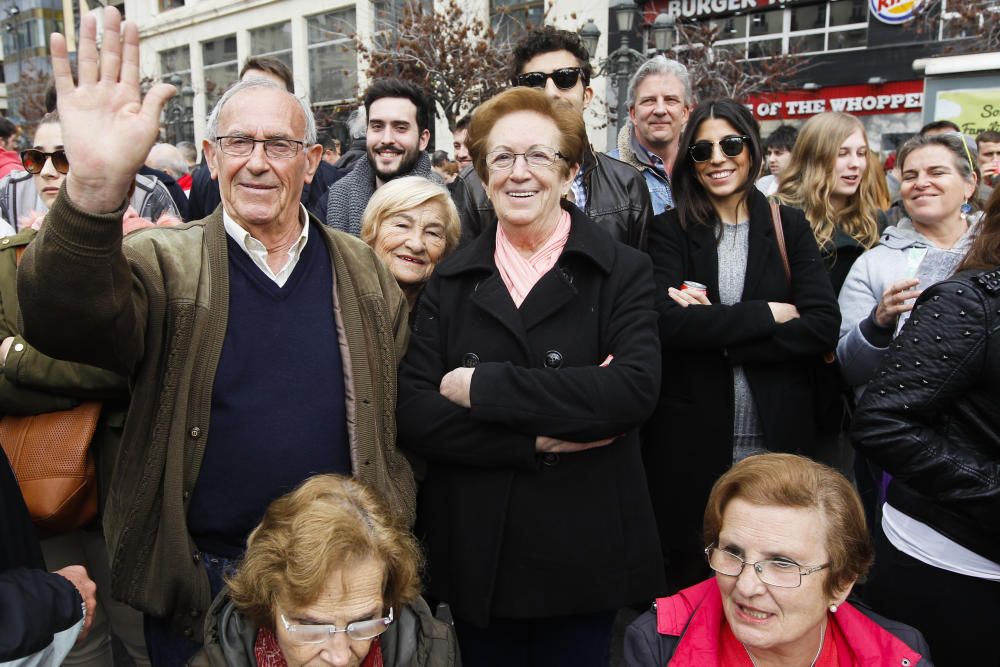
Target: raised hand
column 107, row 127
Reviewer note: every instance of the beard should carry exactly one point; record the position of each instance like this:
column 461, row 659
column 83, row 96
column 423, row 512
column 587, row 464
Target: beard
column 408, row 160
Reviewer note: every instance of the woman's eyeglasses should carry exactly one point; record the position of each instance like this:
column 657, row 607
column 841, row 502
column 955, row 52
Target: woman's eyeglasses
column 536, row 156
column 34, row 160
column 564, row 78
column 773, row 572
column 300, row 633
column 701, row 151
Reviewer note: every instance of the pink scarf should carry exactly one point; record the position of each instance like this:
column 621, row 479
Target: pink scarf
column 520, row 274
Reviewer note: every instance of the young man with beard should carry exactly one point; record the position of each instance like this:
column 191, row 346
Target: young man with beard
column 611, row 193
column 398, row 117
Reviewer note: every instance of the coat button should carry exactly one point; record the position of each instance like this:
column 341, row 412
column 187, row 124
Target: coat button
column 195, row 431
column 567, row 275
column 18, row 347
column 470, row 360
column 553, row 359
column 5, row 241
column 194, row 613
column 550, row 459
column 188, row 632
column 196, row 557
column 186, row 494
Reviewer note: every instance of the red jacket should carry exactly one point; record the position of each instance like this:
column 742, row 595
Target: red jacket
column 9, row 161
column 686, row 634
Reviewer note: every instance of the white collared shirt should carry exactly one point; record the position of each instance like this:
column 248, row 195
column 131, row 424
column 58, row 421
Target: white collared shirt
column 258, row 253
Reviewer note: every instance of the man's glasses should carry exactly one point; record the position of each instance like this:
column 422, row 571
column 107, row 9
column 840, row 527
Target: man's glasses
column 279, row 149
column 34, row 160
column 360, row 631
column 701, row 151
column 536, row 156
column 564, row 78
column 777, row 572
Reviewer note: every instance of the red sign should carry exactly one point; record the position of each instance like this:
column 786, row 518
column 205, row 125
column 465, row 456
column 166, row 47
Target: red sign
column 859, row 100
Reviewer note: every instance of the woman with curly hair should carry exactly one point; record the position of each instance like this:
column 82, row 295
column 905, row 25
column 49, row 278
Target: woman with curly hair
column 841, row 191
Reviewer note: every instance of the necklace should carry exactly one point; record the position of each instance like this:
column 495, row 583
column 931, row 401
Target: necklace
column 822, row 636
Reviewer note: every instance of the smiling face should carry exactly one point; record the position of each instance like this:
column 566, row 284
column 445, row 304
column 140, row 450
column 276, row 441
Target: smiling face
column 849, row 167
column 578, row 97
column 410, row 243
column 767, row 618
column 659, row 113
column 526, row 196
column 932, row 187
column 723, row 177
column 48, row 138
column 462, row 156
column 393, row 139
column 258, row 190
column 352, row 593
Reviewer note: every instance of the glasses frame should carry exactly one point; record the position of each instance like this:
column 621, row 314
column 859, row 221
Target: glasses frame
column 492, row 168
column 744, row 141
column 300, row 145
column 331, row 630
column 576, row 72
column 758, row 567
column 64, row 169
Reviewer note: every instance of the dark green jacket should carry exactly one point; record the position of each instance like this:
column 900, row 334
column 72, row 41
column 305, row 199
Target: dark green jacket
column 34, row 383
column 154, row 307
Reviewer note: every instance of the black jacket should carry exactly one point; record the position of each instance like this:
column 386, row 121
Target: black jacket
column 931, row 416
column 509, row 532
column 617, row 199
column 688, row 442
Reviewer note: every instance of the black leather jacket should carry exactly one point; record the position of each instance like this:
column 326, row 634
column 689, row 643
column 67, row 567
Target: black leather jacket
column 617, row 199
column 931, row 416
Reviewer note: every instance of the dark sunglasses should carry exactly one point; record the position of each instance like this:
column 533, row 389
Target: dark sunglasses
column 34, row 160
column 564, row 78
column 701, row 151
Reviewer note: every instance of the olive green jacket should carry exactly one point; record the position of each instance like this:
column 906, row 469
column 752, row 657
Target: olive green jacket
column 154, row 307
column 33, row 383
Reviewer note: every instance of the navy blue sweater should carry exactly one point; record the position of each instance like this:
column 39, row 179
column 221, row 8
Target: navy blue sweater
column 278, row 407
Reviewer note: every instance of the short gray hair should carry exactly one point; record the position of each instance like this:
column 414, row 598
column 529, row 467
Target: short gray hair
column 212, row 133
column 357, row 123
column 660, row 64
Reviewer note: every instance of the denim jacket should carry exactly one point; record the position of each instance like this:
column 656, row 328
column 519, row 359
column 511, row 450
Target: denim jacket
column 630, row 152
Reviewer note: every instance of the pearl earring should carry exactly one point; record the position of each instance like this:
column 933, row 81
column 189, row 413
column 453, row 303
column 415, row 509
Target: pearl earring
column 833, row 609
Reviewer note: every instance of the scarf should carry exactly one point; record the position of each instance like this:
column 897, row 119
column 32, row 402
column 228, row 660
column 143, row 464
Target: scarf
column 268, row 653
column 519, row 273
column 349, row 196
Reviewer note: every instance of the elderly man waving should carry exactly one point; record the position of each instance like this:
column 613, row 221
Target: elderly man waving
column 262, row 346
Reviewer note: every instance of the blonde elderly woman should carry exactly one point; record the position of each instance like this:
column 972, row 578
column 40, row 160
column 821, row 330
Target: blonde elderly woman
column 412, row 224
column 330, row 577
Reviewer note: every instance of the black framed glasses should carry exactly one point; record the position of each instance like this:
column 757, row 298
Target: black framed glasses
column 536, row 156
column 778, row 572
column 301, row 633
column 701, row 151
column 239, row 146
column 34, row 160
column 564, row 78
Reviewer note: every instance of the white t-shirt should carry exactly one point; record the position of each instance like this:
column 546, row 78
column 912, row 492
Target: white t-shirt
column 918, row 540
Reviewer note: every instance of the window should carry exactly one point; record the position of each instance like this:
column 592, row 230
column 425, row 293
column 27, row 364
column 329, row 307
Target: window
column 166, row 5
column 274, row 41
column 333, row 60
column 814, row 28
column 220, row 67
column 510, row 18
column 175, row 67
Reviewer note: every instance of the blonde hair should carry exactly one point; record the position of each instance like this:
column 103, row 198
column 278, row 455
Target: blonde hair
column 808, row 182
column 405, row 194
column 326, row 523
column 788, row 480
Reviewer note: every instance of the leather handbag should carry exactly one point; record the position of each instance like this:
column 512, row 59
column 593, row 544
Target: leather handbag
column 50, row 455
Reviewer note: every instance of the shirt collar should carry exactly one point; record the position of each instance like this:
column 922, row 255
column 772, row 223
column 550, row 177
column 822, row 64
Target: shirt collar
column 248, row 242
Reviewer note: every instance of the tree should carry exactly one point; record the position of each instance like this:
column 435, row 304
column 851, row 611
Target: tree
column 969, row 27
column 27, row 95
column 449, row 52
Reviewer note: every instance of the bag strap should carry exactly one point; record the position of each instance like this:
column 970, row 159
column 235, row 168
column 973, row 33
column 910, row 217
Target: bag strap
column 779, row 236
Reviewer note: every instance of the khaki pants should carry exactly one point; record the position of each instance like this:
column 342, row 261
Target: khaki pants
column 88, row 548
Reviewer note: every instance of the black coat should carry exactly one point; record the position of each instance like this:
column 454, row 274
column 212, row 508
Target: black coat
column 688, row 442
column 511, row 533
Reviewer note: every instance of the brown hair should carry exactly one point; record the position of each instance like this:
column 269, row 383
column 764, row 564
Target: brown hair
column 326, row 523
column 984, row 253
column 788, row 480
column 572, row 131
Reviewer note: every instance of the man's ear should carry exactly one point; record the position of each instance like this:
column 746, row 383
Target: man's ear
column 208, row 149
column 588, row 95
column 425, row 138
column 314, row 154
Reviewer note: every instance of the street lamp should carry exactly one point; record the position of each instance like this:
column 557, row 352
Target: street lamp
column 179, row 113
column 664, row 31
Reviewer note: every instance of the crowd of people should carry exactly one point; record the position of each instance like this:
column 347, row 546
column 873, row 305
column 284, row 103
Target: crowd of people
column 363, row 405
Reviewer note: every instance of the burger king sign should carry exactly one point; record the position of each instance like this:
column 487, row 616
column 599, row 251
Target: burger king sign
column 894, row 11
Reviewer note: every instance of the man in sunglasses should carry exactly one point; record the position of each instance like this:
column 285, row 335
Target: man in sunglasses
column 260, row 345
column 659, row 103
column 611, row 193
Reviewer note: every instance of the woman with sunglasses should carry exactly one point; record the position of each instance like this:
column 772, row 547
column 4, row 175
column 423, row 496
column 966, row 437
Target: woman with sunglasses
column 739, row 327
column 532, row 363
column 25, row 196
column 787, row 541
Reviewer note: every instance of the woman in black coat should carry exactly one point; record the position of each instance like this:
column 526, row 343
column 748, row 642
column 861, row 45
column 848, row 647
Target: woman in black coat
column 525, row 397
column 738, row 358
